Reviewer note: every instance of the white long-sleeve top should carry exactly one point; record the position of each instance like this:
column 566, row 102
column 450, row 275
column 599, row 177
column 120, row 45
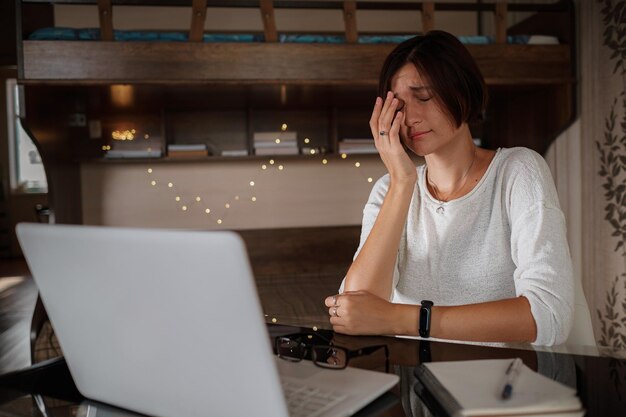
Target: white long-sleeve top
column 504, row 239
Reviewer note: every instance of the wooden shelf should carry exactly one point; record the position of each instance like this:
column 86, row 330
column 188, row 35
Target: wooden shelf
column 209, row 159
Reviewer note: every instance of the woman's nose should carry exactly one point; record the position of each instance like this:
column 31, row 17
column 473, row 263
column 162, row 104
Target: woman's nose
column 412, row 114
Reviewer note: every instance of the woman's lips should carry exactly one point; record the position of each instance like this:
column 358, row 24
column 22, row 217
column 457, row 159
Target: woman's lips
column 419, row 135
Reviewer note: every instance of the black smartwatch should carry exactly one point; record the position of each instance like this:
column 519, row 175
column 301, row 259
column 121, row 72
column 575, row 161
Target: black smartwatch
column 425, row 313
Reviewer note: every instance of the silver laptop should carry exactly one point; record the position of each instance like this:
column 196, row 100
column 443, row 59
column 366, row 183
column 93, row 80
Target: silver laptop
column 168, row 323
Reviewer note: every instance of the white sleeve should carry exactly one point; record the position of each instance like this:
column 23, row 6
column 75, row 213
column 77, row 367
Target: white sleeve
column 370, row 213
column 539, row 249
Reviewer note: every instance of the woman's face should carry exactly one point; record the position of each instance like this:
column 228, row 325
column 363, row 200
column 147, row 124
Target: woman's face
column 427, row 128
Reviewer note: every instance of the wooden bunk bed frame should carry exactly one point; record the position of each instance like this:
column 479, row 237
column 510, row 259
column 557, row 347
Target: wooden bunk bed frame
column 532, row 87
column 198, row 62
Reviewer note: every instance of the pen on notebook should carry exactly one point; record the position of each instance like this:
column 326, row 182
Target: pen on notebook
column 511, row 375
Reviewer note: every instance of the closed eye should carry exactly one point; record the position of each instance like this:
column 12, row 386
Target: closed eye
column 401, row 105
column 422, row 93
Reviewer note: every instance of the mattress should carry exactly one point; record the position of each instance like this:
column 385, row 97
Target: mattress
column 92, row 34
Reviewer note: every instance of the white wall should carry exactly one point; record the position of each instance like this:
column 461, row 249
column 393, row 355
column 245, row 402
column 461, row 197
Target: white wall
column 305, row 193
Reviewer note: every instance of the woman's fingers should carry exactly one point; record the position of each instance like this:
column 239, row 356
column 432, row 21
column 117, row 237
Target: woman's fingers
column 387, row 114
column 387, row 104
column 335, row 321
column 328, row 301
column 378, row 106
column 394, row 132
column 383, row 122
column 332, row 301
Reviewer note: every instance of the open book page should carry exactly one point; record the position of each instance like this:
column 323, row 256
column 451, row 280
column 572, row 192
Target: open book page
column 474, row 388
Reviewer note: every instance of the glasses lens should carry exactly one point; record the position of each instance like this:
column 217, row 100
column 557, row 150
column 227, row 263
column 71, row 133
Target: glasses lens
column 330, row 357
column 290, row 349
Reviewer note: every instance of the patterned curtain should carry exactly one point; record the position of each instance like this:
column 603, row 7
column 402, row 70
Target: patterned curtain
column 603, row 132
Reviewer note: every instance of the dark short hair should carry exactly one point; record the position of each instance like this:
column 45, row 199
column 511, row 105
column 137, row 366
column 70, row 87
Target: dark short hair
column 450, row 69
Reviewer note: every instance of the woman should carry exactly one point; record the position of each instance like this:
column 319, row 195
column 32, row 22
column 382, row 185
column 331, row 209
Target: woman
column 478, row 233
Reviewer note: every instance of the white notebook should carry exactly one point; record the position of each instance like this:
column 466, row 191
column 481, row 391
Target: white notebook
column 474, row 388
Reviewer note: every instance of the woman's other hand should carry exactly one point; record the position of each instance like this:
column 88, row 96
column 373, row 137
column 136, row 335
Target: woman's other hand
column 360, row 312
column 385, row 125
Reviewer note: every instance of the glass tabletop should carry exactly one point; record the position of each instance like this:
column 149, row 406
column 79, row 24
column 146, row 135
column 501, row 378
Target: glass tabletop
column 48, row 389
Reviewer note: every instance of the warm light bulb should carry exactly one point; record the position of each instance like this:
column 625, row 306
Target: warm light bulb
column 251, row 183
column 153, row 183
column 263, row 166
column 324, row 161
column 149, row 170
column 370, row 179
column 227, row 205
column 237, row 198
column 104, row 148
column 274, row 320
column 307, row 140
column 344, row 156
column 283, row 127
column 146, row 136
column 122, row 135
column 277, row 140
column 312, row 151
column 219, row 221
column 198, row 199
column 314, row 328
column 133, row 131
column 169, row 184
column 207, row 211
column 184, row 208
column 253, row 199
column 280, row 167
column 177, row 198
column 271, row 162
column 357, row 164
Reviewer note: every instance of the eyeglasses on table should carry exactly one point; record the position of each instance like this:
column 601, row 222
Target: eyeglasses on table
column 320, row 350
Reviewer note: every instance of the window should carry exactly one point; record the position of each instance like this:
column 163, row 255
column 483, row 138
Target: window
column 27, row 173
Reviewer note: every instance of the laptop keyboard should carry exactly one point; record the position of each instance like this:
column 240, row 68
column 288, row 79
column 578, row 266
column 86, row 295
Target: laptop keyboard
column 307, row 401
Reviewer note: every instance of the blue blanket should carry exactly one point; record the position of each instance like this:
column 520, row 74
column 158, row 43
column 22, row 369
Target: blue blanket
column 70, row 34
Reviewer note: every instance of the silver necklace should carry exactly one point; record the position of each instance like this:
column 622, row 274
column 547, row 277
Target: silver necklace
column 444, row 200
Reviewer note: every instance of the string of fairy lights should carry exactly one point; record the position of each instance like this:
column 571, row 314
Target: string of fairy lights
column 217, row 212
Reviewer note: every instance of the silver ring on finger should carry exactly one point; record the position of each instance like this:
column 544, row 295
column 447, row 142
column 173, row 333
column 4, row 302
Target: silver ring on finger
column 382, row 133
column 335, row 312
